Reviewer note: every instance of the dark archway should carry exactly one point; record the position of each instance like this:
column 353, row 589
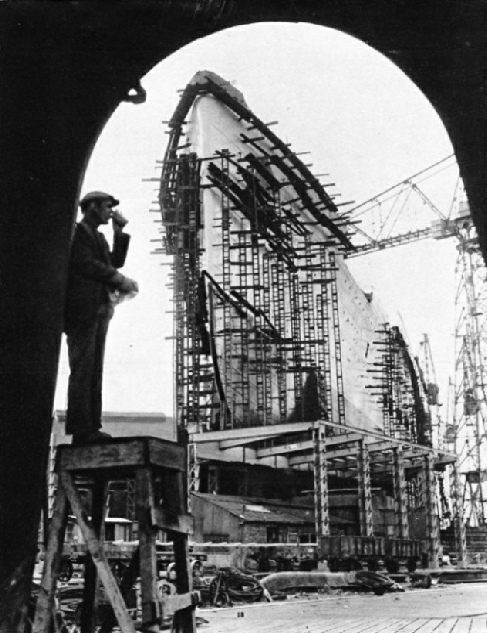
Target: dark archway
column 65, row 68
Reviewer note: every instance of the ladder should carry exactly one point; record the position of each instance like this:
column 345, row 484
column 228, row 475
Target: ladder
column 159, row 470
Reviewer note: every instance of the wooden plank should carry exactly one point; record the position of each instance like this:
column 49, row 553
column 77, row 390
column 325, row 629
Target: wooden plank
column 96, row 551
column 124, row 453
column 478, row 624
column 45, row 600
column 429, row 626
column 144, row 496
column 446, row 626
column 364, row 625
column 100, row 456
column 410, row 626
column 462, row 625
column 389, row 626
column 184, row 619
column 332, row 626
column 90, row 592
column 167, row 454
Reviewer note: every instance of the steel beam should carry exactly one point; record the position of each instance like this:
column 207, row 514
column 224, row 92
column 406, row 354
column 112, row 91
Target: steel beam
column 430, row 504
column 458, row 518
column 364, row 491
column 401, row 510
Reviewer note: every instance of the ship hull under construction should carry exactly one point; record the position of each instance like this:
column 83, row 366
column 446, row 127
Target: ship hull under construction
column 282, row 362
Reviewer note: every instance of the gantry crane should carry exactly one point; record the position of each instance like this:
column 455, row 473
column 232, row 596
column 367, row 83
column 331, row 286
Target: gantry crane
column 403, row 214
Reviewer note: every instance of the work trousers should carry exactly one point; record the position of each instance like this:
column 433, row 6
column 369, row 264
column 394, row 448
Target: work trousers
column 86, row 352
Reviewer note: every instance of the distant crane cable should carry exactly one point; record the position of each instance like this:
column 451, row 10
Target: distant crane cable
column 384, row 236
column 390, row 189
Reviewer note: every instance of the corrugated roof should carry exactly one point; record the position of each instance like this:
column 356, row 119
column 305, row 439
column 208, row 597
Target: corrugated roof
column 245, row 509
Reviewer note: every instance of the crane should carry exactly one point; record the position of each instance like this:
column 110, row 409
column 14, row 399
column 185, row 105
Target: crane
column 403, row 214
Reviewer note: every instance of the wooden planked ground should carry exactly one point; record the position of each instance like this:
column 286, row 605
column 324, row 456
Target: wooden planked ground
column 457, row 609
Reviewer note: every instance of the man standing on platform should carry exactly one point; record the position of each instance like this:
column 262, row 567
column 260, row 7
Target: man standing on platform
column 94, row 286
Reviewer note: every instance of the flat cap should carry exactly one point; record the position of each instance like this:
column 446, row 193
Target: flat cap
column 97, row 195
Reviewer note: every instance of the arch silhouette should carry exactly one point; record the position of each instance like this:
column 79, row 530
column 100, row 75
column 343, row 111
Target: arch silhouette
column 66, row 67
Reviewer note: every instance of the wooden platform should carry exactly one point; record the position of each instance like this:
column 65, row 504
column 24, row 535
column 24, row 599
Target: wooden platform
column 123, row 453
column 159, row 470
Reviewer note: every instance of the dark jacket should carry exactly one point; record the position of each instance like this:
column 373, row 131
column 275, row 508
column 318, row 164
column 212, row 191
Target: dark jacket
column 92, row 273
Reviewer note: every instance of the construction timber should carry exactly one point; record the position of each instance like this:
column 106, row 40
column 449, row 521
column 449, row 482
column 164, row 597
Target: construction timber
column 281, row 361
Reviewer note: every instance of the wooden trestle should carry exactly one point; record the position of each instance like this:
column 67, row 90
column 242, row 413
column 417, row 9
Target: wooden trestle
column 159, row 470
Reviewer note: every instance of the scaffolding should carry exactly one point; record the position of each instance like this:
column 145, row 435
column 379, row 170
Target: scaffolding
column 395, row 384
column 466, row 433
column 273, row 319
column 258, row 251
column 393, row 218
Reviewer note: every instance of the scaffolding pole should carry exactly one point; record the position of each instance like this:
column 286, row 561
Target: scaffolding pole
column 322, row 518
column 364, row 490
column 402, row 523
column 458, row 518
column 430, row 504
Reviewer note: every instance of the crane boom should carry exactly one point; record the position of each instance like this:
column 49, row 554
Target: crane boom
column 402, row 214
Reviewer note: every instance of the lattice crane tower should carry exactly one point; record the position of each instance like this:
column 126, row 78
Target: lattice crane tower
column 466, row 434
column 394, row 217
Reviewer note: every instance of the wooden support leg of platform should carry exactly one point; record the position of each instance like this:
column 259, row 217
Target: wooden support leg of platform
column 45, row 599
column 150, row 461
column 95, row 549
column 90, row 592
column 184, row 618
column 151, row 612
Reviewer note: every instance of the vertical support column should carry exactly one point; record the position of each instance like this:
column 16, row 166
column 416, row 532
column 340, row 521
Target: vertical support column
column 90, row 593
column 45, row 600
column 193, row 470
column 184, row 620
column 332, row 277
column 279, row 300
column 151, row 612
column 432, row 523
column 458, row 519
column 322, row 517
column 402, row 524
column 364, row 490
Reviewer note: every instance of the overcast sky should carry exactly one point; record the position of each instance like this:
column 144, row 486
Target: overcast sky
column 363, row 122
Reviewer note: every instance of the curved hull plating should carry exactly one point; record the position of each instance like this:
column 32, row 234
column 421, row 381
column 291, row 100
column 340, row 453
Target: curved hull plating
column 271, row 326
